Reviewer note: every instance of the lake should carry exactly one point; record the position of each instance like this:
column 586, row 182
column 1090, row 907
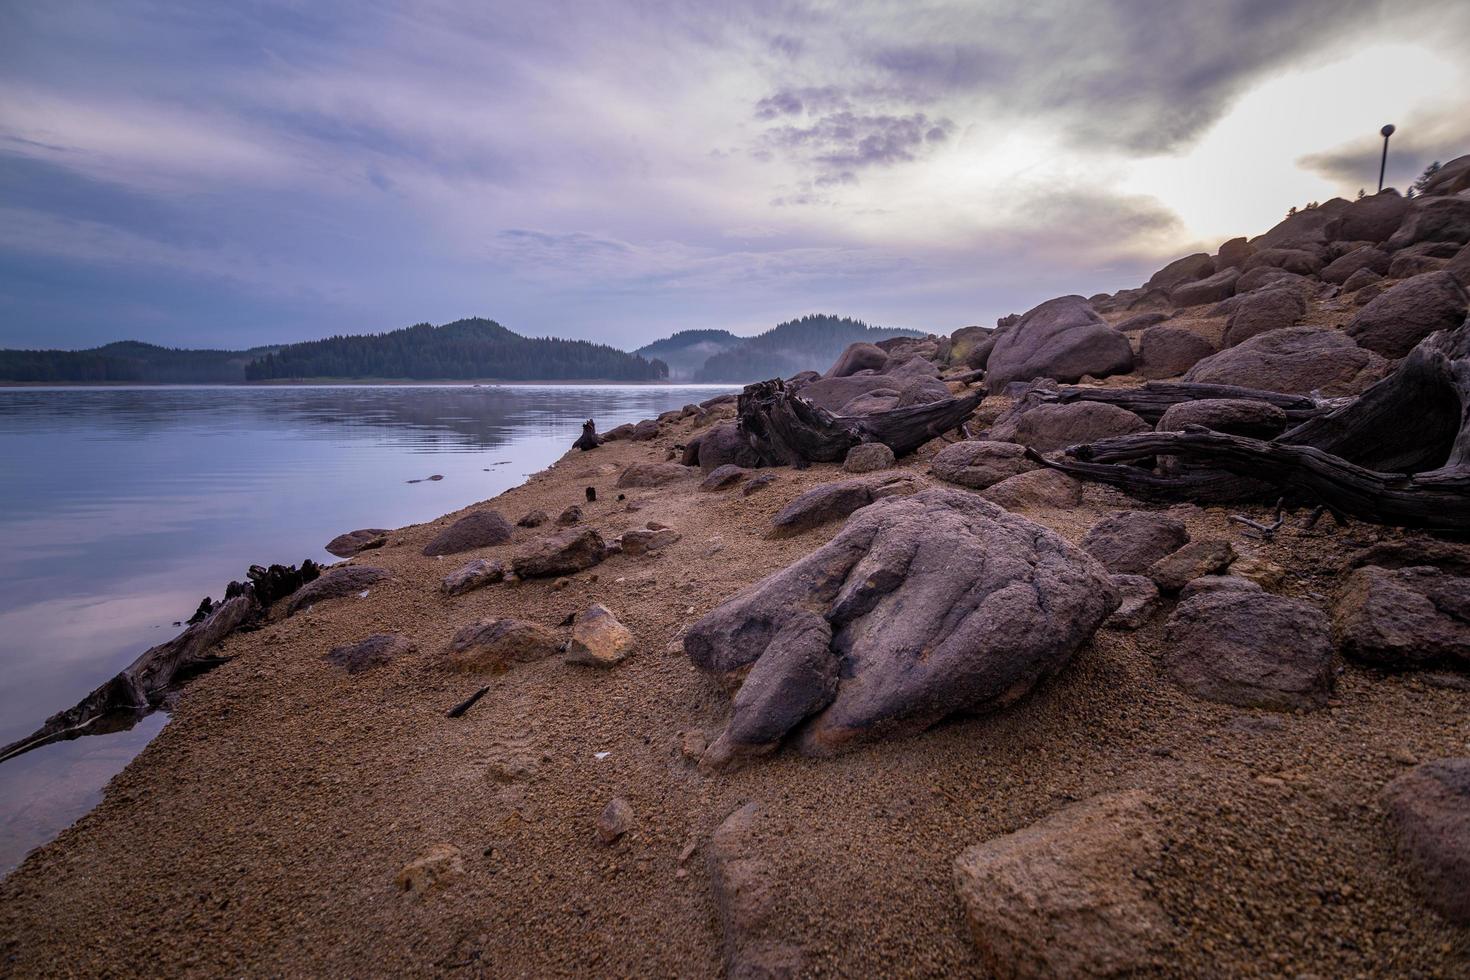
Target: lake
column 121, row 507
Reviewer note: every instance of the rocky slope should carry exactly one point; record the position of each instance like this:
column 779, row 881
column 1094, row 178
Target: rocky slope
column 940, row 711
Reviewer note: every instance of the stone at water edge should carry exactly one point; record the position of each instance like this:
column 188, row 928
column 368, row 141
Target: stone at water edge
column 1068, row 896
column 939, row 602
column 354, row 542
column 474, row 575
column 598, row 639
column 1429, row 814
column 615, row 820
column 563, row 553
column 482, row 529
column 1129, row 541
column 1251, row 649
column 334, row 584
column 496, row 644
column 868, row 457
column 374, row 651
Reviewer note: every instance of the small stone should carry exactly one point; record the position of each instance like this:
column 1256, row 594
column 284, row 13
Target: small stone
column 724, row 476
column 642, row 540
column 1176, row 570
column 495, row 644
column 1140, row 602
column 615, row 820
column 569, row 517
column 560, row 584
column 433, row 869
column 1404, row 757
column 598, row 639
column 1267, row 574
column 477, row 574
column 534, row 518
column 692, row 743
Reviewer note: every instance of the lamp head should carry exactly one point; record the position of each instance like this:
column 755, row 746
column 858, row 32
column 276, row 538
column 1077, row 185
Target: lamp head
column 1387, row 131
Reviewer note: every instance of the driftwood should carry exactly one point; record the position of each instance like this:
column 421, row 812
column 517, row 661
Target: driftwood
column 459, row 709
column 1398, row 454
column 785, row 429
column 589, row 438
column 1150, row 400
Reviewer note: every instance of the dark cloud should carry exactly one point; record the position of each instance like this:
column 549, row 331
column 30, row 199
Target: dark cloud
column 779, row 104
column 841, row 143
column 1414, row 145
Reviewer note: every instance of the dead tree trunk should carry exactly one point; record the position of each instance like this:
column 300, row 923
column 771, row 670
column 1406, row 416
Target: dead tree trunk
column 786, row 429
column 1150, row 400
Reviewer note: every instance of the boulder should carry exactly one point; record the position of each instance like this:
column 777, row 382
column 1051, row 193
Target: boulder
column 598, row 639
column 1063, row 339
column 1150, row 299
column 1071, row 895
column 1404, row 618
column 653, row 474
column 1050, row 427
column 1359, row 279
column 333, row 584
column 725, row 444
column 878, row 400
column 1372, row 219
column 1459, row 267
column 970, row 346
column 1265, row 275
column 1308, row 228
column 1429, row 813
column 534, row 518
column 1405, row 314
column 1129, row 541
column 1217, row 583
column 1140, row 321
column 1251, row 649
column 482, row 529
column 1451, row 178
column 979, row 464
column 830, row 502
column 1233, row 254
column 1210, row 290
column 1140, row 601
column 477, row 574
column 1180, row 271
column 1365, row 257
column 1406, row 265
column 353, row 542
column 1035, row 488
column 496, row 644
column 916, row 391
column 644, row 431
column 745, row 884
column 858, row 357
column 562, row 553
column 1440, row 219
column 374, row 651
column 1302, row 262
column 869, row 457
column 1297, row 361
column 1167, row 352
column 642, row 540
column 1367, row 294
column 570, row 517
column 723, row 476
column 1194, row 560
column 1263, row 311
column 1236, row 416
column 833, row 393
column 934, row 603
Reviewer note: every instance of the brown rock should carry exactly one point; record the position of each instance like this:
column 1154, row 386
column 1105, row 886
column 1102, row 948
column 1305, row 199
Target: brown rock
column 1296, row 361
column 1047, row 428
column 723, row 476
column 433, row 869
column 1035, row 488
column 1402, row 316
column 1213, row 289
column 334, row 584
column 598, row 639
column 534, row 518
column 1070, row 896
column 1404, row 618
column 869, row 457
column 1063, row 338
column 477, row 574
column 570, row 517
column 1367, row 257
column 1129, row 541
column 1217, row 583
column 654, row 474
column 1303, row 262
column 354, row 542
column 757, row 483
column 1188, row 269
column 1429, row 812
column 858, row 357
column 1167, row 352
column 615, row 820
column 374, row 651
column 1195, row 559
column 1443, row 219
column 1140, row 602
column 1359, row 279
column 833, row 501
column 745, row 884
column 1233, row 254
column 643, row 540
column 1263, row 311
column 978, row 464
column 1236, row 416
column 496, row 644
column 482, row 529
column 1372, row 219
column 563, row 553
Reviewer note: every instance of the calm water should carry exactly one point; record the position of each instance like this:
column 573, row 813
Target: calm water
column 121, row 507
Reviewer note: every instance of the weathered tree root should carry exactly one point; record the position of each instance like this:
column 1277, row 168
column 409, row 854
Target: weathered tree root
column 1150, row 400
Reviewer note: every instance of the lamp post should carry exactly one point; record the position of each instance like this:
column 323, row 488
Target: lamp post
column 1387, row 131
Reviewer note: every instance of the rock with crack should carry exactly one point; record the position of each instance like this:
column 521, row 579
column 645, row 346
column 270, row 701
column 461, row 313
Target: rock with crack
column 598, row 639
column 475, row 575
column 1140, row 602
column 1196, row 559
column 482, row 529
column 920, row 608
column 1070, row 896
column 642, row 540
column 564, row 553
column 1129, row 541
column 333, row 584
column 1429, row 812
column 374, row 651
column 745, row 884
column 354, row 542
column 496, row 644
column 833, row 501
column 1404, row 618
column 1251, row 649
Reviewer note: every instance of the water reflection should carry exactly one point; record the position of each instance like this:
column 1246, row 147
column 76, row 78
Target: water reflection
column 119, row 507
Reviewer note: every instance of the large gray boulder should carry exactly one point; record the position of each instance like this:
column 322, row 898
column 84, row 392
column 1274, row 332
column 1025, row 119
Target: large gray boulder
column 1209, row 290
column 1429, row 813
column 482, row 529
column 1063, row 338
column 1237, row 416
column 1404, row 618
column 1407, row 313
column 1167, row 352
column 1372, row 219
column 1263, row 311
column 725, row 445
column 858, row 357
column 1451, row 178
column 1297, row 361
column 1439, row 219
column 921, row 607
column 1364, row 257
column 1180, row 271
column 979, row 464
column 1047, row 428
column 1307, row 228
column 833, row 393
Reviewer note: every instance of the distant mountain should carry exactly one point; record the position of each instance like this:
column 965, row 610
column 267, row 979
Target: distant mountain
column 686, row 351
column 811, row 343
column 128, row 361
column 462, row 350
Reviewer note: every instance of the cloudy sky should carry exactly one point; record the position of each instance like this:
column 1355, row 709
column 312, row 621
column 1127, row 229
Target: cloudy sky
column 211, row 174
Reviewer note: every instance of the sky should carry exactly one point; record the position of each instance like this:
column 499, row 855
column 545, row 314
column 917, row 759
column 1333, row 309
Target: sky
column 231, row 175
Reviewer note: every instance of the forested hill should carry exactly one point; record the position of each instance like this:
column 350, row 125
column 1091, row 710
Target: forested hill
column 127, row 361
column 461, row 350
column 811, row 343
column 686, row 351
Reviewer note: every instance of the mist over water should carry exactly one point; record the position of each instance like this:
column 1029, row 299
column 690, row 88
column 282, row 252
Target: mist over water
column 121, row 507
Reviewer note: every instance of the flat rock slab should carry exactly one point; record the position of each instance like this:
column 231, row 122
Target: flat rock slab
column 1129, row 541
column 654, row 474
column 978, row 464
column 564, row 553
column 1404, row 618
column 482, row 529
column 374, row 651
column 1035, row 488
column 833, row 501
column 474, row 575
column 1069, row 896
column 354, row 542
column 1251, row 649
column 1196, row 559
column 1429, row 811
column 496, row 644
column 724, row 476
column 333, row 584
column 920, row 607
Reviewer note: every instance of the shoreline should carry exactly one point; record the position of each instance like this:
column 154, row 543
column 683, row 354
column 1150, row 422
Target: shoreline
column 372, row 383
